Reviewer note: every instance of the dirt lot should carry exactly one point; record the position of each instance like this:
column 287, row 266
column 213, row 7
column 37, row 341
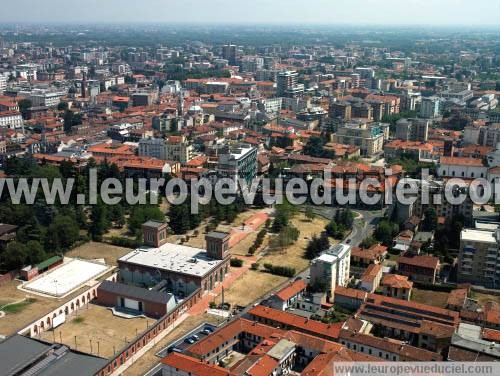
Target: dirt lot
column 293, row 255
column 254, row 284
column 98, row 324
column 241, row 249
column 93, row 250
column 198, row 241
column 149, row 359
column 434, row 298
column 26, row 314
column 250, row 286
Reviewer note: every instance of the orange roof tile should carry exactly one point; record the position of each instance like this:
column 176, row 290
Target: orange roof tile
column 397, row 281
column 292, row 290
column 462, row 161
column 297, row 322
column 193, row 366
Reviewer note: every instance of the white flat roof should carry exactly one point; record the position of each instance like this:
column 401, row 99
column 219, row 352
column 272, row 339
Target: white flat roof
column 325, row 257
column 478, row 236
column 173, row 258
column 67, row 277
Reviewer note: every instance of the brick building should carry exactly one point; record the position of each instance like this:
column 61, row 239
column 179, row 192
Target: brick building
column 184, row 268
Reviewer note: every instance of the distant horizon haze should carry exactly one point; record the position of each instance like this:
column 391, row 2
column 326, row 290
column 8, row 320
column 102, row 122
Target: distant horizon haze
column 270, row 12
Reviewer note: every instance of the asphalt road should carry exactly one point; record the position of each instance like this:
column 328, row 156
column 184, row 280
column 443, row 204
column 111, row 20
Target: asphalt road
column 363, row 224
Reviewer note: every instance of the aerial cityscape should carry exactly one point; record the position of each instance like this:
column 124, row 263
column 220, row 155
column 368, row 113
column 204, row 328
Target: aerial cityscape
column 258, row 188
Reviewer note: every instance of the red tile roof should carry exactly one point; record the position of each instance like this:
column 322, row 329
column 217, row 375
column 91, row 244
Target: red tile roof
column 462, row 161
column 424, row 261
column 291, row 290
column 407, row 352
column 297, row 322
column 232, row 330
column 491, row 335
column 457, row 297
column 397, row 281
column 193, row 366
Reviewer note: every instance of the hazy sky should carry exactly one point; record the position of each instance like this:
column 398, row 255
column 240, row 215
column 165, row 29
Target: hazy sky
column 398, row 12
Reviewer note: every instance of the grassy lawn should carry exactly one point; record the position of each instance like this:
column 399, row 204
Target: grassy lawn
column 434, row 298
column 18, row 307
column 78, row 320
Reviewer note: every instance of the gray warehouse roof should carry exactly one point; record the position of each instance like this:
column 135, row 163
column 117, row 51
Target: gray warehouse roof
column 135, row 292
column 22, row 353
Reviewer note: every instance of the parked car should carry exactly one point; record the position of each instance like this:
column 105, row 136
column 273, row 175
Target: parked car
column 174, row 349
column 190, row 340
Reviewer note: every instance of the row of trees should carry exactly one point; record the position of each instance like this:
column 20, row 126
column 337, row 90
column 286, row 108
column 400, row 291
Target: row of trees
column 47, row 230
column 182, row 220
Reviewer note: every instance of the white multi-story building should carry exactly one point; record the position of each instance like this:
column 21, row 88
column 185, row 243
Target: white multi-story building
column 332, row 267
column 238, row 162
column 369, row 137
column 27, row 71
column 11, row 119
column 152, row 147
column 3, row 83
column 270, row 105
column 44, row 97
column 175, row 148
column 479, row 257
column 459, row 95
column 178, row 149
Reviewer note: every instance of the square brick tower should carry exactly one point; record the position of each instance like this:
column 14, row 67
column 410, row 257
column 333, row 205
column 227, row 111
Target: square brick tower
column 217, row 245
column 154, row 233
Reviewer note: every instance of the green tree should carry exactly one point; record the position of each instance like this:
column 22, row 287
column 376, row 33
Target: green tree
column 368, row 242
column 385, row 232
column 141, row 214
column 310, row 213
column 24, row 105
column 62, row 233
column 62, row 106
column 36, row 252
column 430, row 220
column 180, row 217
column 317, row 245
column 280, row 221
column 99, row 222
column 15, row 255
column 68, row 121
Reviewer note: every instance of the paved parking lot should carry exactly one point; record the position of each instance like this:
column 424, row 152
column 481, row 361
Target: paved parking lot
column 180, row 342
